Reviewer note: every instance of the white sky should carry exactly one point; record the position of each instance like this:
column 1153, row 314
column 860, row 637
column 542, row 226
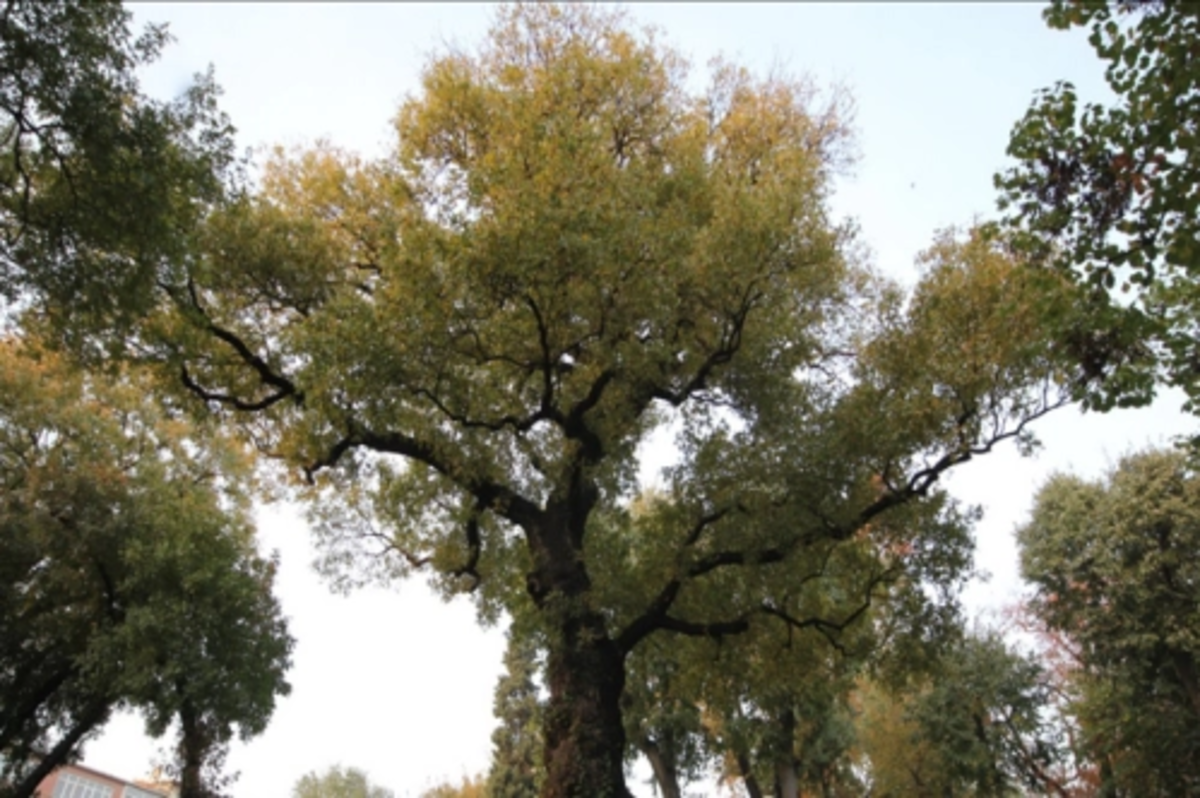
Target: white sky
column 400, row 684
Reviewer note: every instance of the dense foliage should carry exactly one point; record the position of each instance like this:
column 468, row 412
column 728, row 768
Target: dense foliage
column 98, row 184
column 1115, row 567
column 128, row 574
column 462, row 346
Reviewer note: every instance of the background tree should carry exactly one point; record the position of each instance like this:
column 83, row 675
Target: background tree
column 1106, row 195
column 96, row 181
column 129, row 573
column 1060, row 656
column 973, row 725
column 463, row 346
column 1114, row 566
column 517, row 770
column 338, row 782
column 469, row 787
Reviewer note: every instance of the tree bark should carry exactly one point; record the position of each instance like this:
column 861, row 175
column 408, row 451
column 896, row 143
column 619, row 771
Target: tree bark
column 786, row 783
column 665, row 772
column 585, row 739
column 196, row 747
column 190, row 755
column 585, row 668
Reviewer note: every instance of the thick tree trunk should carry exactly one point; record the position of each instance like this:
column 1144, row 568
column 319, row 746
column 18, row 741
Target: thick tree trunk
column 585, row 739
column 585, row 669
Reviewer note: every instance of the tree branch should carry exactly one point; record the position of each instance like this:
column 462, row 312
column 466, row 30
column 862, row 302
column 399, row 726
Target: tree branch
column 268, row 376
column 488, row 494
column 649, row 620
column 474, row 547
column 715, row 629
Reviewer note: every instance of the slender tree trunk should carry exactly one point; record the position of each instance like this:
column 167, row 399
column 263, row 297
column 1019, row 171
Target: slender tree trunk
column 91, row 717
column 663, row 765
column 752, row 786
column 1185, row 669
column 585, row 669
column 787, row 784
column 193, row 746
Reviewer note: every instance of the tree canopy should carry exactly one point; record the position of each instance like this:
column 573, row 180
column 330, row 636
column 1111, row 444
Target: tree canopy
column 972, row 724
column 461, row 347
column 130, row 574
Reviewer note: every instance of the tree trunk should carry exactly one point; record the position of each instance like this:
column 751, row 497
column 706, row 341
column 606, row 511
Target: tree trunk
column 1185, row 669
column 752, row 787
column 193, row 746
column 88, row 720
column 585, row 669
column 787, row 784
column 665, row 773
column 585, row 739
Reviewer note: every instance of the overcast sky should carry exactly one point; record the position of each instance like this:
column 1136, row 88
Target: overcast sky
column 400, row 684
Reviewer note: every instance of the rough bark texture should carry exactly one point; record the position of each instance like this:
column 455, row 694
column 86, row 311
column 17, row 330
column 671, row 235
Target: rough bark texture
column 585, row 739
column 585, row 669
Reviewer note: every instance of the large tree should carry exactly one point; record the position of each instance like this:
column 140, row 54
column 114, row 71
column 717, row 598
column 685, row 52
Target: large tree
column 1106, row 193
column 463, row 346
column 128, row 574
column 1115, row 568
